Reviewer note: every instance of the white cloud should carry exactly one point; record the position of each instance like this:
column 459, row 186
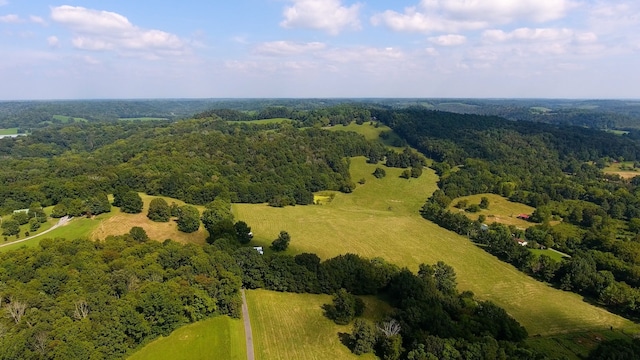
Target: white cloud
column 327, row 15
column 287, row 48
column 10, row 19
column 458, row 15
column 37, row 20
column 449, row 40
column 53, row 41
column 97, row 30
column 561, row 35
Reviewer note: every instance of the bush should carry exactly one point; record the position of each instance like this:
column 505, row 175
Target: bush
column 282, row 242
column 379, row 173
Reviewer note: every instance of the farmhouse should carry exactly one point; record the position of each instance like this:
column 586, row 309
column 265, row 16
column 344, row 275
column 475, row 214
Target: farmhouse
column 21, row 211
column 524, row 216
column 521, row 242
column 259, row 249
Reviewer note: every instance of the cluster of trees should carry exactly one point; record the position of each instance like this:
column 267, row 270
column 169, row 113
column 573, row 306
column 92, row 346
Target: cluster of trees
column 34, row 216
column 81, row 299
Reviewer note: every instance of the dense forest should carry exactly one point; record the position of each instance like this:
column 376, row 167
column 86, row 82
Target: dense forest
column 216, row 158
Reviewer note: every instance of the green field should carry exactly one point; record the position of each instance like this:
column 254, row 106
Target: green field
column 624, row 169
column 217, row 338
column 292, row 326
column 10, row 131
column 575, row 346
column 370, row 132
column 381, row 219
column 500, row 210
column 550, row 253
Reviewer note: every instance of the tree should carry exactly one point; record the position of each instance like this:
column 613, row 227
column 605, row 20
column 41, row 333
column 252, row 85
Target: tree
column 10, row 227
column 416, row 172
column 189, row 219
column 243, row 232
column 159, row 210
column 484, row 202
column 131, row 203
column 363, row 337
column 98, row 204
column 406, row 174
column 379, row 173
column 445, row 278
column 21, row 217
column 138, row 234
column 344, row 308
column 391, row 347
column 34, row 224
column 282, row 242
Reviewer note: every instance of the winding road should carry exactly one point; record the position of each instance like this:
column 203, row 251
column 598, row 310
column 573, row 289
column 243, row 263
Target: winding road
column 247, row 327
column 63, row 221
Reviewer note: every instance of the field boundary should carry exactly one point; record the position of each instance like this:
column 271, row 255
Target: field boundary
column 247, row 327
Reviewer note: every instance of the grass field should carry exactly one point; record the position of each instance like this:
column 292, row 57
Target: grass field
column 550, row 253
column 574, row 346
column 217, row 338
column 120, row 223
column 370, row 132
column 292, row 326
column 500, row 210
column 381, row 219
column 10, row 131
column 624, row 169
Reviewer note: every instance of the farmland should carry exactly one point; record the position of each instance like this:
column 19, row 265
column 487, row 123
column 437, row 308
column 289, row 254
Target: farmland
column 381, row 219
column 11, row 131
column 292, row 326
column 216, row 338
column 500, row 210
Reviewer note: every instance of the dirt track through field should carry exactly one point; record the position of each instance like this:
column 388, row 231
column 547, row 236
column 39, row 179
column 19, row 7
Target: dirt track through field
column 247, row 327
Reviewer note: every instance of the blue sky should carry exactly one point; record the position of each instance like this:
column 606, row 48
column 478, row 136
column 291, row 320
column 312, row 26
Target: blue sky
column 319, row 48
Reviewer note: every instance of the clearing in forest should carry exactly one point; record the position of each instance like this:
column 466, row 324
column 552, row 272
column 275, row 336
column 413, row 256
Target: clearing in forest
column 293, row 326
column 381, row 219
column 625, row 169
column 216, row 338
column 500, row 210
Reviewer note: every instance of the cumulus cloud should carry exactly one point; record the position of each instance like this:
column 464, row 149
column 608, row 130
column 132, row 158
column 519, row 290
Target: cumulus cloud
column 449, row 40
column 288, row 48
column 10, row 19
column 37, row 20
column 97, row 30
column 539, row 35
column 459, row 15
column 326, row 15
column 53, row 41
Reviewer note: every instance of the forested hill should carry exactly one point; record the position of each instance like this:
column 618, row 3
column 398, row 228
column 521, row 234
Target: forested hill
column 195, row 161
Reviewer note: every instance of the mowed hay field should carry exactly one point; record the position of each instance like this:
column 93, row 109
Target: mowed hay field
column 217, row 338
column 293, row 326
column 120, row 223
column 624, row 169
column 500, row 210
column 381, row 219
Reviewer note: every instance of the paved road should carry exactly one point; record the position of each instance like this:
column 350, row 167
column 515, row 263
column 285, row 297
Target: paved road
column 63, row 221
column 247, row 327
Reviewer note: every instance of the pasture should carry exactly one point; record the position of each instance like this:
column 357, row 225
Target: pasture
column 120, row 223
column 381, row 219
column 216, row 338
column 144, row 119
column 500, row 210
column 625, row 170
column 10, row 131
column 66, row 119
column 293, row 326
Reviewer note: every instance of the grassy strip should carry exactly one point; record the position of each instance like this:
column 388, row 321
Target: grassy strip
column 10, row 131
column 292, row 326
column 217, row 338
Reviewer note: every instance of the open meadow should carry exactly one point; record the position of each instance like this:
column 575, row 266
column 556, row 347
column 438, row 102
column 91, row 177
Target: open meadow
column 216, row 338
column 10, row 131
column 625, row 170
column 293, row 326
column 381, row 219
column 500, row 210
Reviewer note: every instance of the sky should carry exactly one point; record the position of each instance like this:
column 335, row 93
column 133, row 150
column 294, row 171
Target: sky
column 90, row 49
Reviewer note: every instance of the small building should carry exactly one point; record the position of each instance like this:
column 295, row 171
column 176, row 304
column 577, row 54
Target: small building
column 21, row 211
column 522, row 242
column 524, row 216
column 484, row 227
column 259, row 249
